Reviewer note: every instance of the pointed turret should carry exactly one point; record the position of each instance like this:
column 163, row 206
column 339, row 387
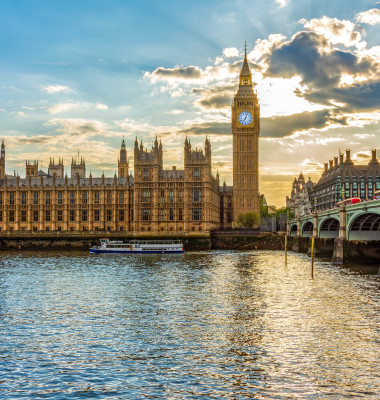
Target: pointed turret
column 208, row 149
column 245, row 73
column 2, row 160
column 123, row 166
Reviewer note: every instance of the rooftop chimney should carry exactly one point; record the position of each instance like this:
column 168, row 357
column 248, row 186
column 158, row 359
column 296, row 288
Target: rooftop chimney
column 374, row 159
column 340, row 158
column 335, row 161
column 348, row 155
column 331, row 164
column 326, row 166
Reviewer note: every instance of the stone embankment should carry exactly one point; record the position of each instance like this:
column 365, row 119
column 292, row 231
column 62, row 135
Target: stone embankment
column 220, row 240
column 337, row 250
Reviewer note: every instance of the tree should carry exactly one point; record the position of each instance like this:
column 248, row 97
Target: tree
column 248, row 220
column 273, row 211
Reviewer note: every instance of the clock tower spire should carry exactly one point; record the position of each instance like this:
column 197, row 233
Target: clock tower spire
column 245, row 122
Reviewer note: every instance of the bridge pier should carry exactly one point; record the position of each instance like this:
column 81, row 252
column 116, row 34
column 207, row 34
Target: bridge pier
column 340, row 254
column 323, row 248
column 300, row 244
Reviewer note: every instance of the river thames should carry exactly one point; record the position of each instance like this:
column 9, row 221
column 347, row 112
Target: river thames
column 206, row 325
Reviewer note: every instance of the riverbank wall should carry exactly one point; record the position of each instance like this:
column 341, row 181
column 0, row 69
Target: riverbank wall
column 217, row 241
column 84, row 240
column 257, row 241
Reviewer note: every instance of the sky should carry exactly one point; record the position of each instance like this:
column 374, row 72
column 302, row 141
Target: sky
column 83, row 75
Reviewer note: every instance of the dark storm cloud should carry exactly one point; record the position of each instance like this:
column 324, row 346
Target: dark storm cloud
column 305, row 55
column 190, row 72
column 321, row 67
column 280, row 126
column 357, row 97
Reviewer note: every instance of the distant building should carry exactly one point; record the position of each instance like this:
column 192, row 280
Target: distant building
column 56, row 169
column 300, row 201
column 78, row 168
column 356, row 181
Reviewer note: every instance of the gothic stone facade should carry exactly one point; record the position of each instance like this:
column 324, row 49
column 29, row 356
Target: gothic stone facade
column 245, row 114
column 300, row 201
column 154, row 201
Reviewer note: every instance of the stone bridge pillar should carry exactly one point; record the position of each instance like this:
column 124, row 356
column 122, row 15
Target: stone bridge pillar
column 340, row 243
column 299, row 227
column 342, row 222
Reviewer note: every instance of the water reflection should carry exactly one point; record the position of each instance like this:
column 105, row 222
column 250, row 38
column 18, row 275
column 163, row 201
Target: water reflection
column 213, row 324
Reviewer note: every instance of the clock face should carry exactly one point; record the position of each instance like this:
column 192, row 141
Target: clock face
column 245, row 117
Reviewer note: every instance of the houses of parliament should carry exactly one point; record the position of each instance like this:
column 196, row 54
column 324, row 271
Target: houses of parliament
column 152, row 200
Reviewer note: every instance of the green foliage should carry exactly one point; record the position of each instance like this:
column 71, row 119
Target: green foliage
column 271, row 211
column 248, row 220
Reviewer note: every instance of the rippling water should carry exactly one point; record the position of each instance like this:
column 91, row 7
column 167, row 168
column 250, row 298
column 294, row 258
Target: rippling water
column 223, row 325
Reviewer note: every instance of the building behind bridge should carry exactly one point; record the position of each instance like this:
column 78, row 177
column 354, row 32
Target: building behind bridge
column 356, row 180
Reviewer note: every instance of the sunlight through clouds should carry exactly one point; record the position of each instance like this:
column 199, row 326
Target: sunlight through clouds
column 173, row 73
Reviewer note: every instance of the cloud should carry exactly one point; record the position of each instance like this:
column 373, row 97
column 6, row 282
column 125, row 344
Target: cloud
column 177, row 73
column 174, row 112
column 35, row 140
column 80, row 127
column 218, row 97
column 329, row 76
column 281, row 3
column 335, row 30
column 265, row 46
column 361, row 155
column 281, row 126
column 230, row 52
column 61, row 107
column 99, row 106
column 370, row 17
column 309, row 55
column 358, row 97
column 56, row 89
column 210, row 128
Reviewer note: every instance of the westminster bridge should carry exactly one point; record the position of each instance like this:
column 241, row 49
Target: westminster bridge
column 350, row 232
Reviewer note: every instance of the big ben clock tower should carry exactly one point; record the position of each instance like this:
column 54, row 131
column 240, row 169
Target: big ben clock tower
column 245, row 120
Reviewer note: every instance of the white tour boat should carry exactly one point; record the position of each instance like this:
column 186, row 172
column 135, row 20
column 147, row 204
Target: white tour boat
column 138, row 246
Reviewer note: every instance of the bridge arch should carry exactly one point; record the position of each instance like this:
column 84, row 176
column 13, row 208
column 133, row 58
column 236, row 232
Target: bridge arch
column 364, row 226
column 293, row 230
column 329, row 228
column 307, row 229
